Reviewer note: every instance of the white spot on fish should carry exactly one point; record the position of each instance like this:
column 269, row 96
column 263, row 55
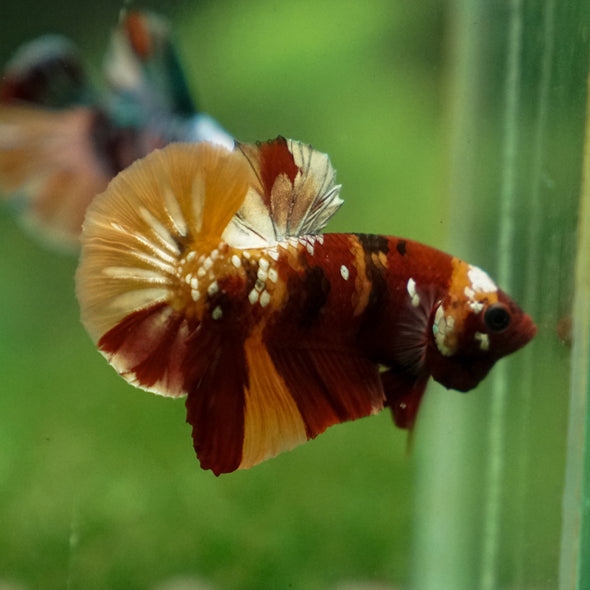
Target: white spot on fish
column 273, row 254
column 273, row 275
column 264, row 298
column 264, row 264
column 246, row 255
column 344, row 272
column 443, row 328
column 411, row 287
column 253, row 296
column 236, row 261
column 196, row 295
column 194, row 283
column 476, row 306
column 207, row 263
column 191, row 256
column 484, row 340
column 213, row 288
column 480, row 281
column 215, row 254
column 201, row 272
column 217, row 313
column 262, row 275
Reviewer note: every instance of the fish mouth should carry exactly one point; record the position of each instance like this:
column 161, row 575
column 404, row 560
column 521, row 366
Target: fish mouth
column 519, row 332
column 519, row 335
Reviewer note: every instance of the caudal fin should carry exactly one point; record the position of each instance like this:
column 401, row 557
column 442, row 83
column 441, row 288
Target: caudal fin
column 160, row 211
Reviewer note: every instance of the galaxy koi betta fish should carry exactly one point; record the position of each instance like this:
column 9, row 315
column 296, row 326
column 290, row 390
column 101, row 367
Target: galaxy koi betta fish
column 204, row 273
column 61, row 140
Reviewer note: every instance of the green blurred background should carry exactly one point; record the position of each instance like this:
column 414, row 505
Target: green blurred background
column 99, row 485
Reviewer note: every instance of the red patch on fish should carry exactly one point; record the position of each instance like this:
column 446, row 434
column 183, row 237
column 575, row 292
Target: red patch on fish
column 276, row 159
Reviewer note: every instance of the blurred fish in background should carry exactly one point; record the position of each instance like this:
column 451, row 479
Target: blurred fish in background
column 62, row 140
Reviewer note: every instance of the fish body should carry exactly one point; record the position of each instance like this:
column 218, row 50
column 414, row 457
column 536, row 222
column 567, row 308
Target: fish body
column 62, row 140
column 204, row 273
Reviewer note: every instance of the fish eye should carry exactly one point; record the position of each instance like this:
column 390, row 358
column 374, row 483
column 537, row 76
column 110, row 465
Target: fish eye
column 497, row 317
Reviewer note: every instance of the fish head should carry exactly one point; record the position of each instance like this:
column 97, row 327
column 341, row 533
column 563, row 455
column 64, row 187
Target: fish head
column 473, row 326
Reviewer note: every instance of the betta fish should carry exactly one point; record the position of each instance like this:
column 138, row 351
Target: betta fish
column 204, row 273
column 61, row 141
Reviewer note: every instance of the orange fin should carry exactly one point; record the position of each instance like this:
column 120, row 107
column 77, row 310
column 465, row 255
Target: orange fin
column 252, row 403
column 272, row 421
column 329, row 387
column 168, row 207
column 137, row 234
column 246, row 403
column 240, row 409
column 295, row 194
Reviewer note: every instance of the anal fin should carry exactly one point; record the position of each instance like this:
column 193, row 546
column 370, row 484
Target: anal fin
column 253, row 401
column 329, row 386
column 215, row 406
column 403, row 394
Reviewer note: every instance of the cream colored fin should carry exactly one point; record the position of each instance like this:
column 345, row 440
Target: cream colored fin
column 295, row 194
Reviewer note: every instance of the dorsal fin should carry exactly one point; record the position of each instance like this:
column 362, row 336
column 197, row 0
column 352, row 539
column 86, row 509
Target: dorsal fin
column 295, row 195
column 137, row 232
